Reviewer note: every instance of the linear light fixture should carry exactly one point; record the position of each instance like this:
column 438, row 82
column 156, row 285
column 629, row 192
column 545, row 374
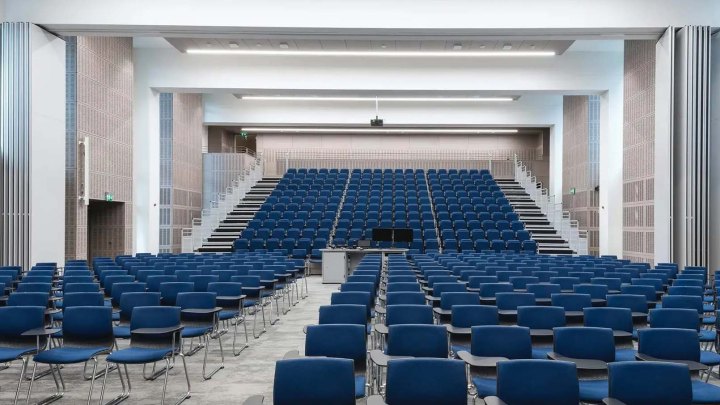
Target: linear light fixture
column 409, row 54
column 391, row 99
column 467, row 131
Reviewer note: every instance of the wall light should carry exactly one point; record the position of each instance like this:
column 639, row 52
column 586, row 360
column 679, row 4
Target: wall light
column 391, row 99
column 409, row 54
column 468, row 131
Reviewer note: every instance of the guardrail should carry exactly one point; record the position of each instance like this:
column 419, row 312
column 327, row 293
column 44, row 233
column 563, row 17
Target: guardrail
column 193, row 238
column 568, row 228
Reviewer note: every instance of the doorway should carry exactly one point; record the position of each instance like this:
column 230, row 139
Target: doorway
column 106, row 229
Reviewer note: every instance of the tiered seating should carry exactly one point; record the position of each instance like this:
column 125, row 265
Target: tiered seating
column 299, row 214
column 473, row 214
column 154, row 302
column 387, row 199
column 581, row 314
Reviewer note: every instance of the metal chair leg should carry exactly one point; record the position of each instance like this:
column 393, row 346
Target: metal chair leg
column 241, row 318
column 23, row 370
column 59, row 386
column 125, row 391
column 207, row 349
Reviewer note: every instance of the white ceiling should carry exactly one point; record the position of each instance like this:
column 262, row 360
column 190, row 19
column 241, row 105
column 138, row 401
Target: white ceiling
column 183, row 44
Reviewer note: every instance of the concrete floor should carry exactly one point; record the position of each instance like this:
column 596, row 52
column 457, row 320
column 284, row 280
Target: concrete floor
column 248, row 374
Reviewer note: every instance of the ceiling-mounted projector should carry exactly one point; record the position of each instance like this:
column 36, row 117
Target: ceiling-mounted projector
column 376, row 122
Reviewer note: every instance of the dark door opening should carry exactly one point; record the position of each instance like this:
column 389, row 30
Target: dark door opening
column 106, row 229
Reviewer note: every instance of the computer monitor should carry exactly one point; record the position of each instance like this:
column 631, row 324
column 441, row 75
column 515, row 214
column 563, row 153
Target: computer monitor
column 402, row 235
column 382, row 235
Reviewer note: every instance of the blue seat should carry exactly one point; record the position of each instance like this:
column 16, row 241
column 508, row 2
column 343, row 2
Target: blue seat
column 426, row 381
column 537, row 382
column 340, row 341
column 650, row 382
column 296, row 382
column 155, row 337
column 14, row 322
column 87, row 334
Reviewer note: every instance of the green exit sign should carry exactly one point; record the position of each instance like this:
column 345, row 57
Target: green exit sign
column 572, row 190
column 109, row 197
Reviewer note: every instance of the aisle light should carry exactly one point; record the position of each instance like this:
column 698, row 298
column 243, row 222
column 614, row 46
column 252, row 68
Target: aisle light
column 390, row 99
column 468, row 131
column 412, row 54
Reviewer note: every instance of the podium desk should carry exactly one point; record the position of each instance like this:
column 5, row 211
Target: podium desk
column 337, row 263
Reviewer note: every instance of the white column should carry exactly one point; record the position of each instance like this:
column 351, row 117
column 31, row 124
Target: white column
column 611, row 166
column 146, row 165
column 714, row 152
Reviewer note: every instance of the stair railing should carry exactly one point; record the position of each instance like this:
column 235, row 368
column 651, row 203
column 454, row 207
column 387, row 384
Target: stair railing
column 569, row 229
column 193, row 238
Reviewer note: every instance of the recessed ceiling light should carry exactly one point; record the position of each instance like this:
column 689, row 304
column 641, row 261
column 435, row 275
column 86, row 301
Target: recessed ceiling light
column 482, row 46
column 507, row 47
column 390, row 99
column 208, row 44
column 258, row 44
column 468, row 131
column 532, row 46
column 457, row 46
column 401, row 54
column 233, row 44
column 383, row 46
column 284, row 45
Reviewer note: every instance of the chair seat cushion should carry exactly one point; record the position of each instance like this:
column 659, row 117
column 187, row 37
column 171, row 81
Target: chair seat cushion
column 707, row 335
column 709, row 358
column 228, row 314
column 709, row 320
column 541, row 352
column 485, row 386
column 708, row 307
column 625, row 355
column 8, row 354
column 459, row 348
column 248, row 303
column 58, row 316
column 138, row 355
column 121, row 332
column 359, row 386
column 593, row 390
column 196, row 331
column 68, row 355
column 116, row 316
column 704, row 393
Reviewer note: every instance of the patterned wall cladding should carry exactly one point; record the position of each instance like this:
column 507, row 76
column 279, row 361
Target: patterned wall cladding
column 99, row 106
column 581, row 131
column 639, row 150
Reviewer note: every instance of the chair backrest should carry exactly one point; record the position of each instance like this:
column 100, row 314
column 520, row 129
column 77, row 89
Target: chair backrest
column 196, row 300
column 538, row 382
column 170, row 291
column 596, row 291
column 650, row 382
column 34, row 287
column 571, row 301
column 543, row 290
column 426, row 381
column 296, row 382
column 155, row 317
column 352, row 297
column 88, row 326
column 669, row 343
column 122, row 288
column 541, row 317
column 201, row 281
column 339, row 341
column 681, row 318
column 511, row 342
column 154, row 282
column 409, row 314
column 417, row 341
column 14, row 321
column 28, row 299
column 584, row 343
column 342, row 314
column 404, row 297
column 513, row 300
column 466, row 316
column 619, row 319
column 635, row 303
column 83, row 299
column 450, row 299
column 130, row 300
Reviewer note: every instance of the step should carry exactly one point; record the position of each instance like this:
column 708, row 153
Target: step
column 215, row 249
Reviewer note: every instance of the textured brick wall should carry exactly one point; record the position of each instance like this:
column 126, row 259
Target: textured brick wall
column 639, row 151
column 99, row 106
column 580, row 163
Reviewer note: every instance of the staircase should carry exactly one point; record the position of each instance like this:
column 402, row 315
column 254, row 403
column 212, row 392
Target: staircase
column 547, row 237
column 229, row 229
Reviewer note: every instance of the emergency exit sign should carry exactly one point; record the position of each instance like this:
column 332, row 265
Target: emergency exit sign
column 109, row 197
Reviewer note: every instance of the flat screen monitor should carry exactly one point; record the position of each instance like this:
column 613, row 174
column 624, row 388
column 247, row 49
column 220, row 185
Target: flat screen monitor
column 403, row 235
column 382, row 235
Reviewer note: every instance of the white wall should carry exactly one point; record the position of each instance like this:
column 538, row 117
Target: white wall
column 714, row 152
column 47, row 188
column 512, row 17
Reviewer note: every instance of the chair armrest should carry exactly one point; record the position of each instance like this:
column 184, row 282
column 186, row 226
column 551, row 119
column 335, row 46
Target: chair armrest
column 612, row 401
column 231, row 297
column 494, row 401
column 41, row 332
column 157, row 331
column 454, row 330
column 478, row 361
column 441, row 311
column 541, row 332
column 431, row 298
column 692, row 365
column 305, row 328
column 381, row 359
column 292, row 354
column 254, row 288
column 254, row 400
column 201, row 311
column 582, row 364
column 381, row 328
column 375, row 400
